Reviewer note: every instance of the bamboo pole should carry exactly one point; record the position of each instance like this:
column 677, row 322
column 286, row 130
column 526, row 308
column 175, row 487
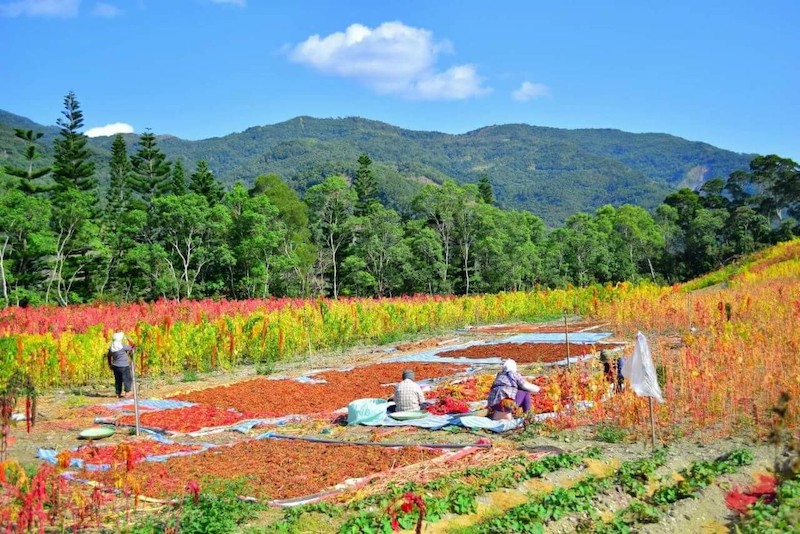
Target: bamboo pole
column 135, row 395
column 566, row 338
column 652, row 422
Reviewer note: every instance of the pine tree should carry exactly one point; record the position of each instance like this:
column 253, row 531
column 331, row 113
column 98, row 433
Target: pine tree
column 73, row 168
column 203, row 183
column 28, row 174
column 178, row 178
column 365, row 186
column 119, row 175
column 485, row 189
column 151, row 170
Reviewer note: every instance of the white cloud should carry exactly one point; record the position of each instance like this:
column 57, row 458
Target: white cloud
column 240, row 3
column 106, row 11
column 40, row 8
column 455, row 83
column 109, row 129
column 529, row 91
column 392, row 59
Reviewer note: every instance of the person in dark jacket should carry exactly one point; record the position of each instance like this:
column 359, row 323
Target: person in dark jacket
column 612, row 368
column 119, row 361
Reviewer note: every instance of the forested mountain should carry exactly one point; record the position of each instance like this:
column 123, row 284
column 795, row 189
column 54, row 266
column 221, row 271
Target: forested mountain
column 342, row 224
column 551, row 172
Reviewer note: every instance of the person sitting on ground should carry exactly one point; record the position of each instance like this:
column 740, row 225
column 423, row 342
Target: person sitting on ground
column 510, row 392
column 408, row 396
column 119, row 361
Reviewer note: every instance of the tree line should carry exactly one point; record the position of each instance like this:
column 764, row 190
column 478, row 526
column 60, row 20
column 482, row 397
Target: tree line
column 160, row 230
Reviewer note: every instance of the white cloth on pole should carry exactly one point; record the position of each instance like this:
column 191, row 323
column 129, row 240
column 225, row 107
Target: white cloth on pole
column 639, row 369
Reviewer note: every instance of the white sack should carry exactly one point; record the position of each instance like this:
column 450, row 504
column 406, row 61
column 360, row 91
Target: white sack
column 639, row 369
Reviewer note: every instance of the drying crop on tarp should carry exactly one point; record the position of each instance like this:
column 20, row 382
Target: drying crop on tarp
column 472, row 389
column 528, row 352
column 448, row 405
column 108, row 454
column 274, row 398
column 188, row 419
column 274, row 469
column 387, row 373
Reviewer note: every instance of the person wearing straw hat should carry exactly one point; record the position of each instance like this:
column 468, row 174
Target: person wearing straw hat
column 510, row 393
column 119, row 361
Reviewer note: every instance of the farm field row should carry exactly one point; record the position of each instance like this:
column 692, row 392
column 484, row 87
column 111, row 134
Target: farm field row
column 65, row 346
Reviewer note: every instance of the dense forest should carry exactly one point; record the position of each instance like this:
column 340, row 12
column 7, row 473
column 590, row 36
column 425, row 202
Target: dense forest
column 551, row 172
column 161, row 228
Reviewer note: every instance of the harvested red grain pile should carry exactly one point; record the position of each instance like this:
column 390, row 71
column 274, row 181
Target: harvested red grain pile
column 188, row 419
column 108, row 454
column 274, row 398
column 275, row 469
column 385, row 373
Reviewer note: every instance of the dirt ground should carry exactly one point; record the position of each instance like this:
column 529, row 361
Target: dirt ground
column 63, row 413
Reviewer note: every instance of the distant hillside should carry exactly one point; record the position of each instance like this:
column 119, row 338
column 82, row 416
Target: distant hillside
column 550, row 171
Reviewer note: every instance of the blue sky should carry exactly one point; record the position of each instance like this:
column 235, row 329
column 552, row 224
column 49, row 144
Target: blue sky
column 723, row 72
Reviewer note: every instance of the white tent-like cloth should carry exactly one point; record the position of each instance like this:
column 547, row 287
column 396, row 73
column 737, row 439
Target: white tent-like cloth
column 641, row 372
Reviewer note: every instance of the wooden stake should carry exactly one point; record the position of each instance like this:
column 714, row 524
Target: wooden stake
column 135, row 396
column 652, row 422
column 566, row 337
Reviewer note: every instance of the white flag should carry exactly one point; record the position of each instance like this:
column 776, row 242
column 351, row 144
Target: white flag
column 639, row 369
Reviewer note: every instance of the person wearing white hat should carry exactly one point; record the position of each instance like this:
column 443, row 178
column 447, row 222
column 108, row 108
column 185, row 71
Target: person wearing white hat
column 119, row 361
column 509, row 384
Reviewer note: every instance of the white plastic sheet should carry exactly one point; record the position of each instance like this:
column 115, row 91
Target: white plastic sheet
column 641, row 372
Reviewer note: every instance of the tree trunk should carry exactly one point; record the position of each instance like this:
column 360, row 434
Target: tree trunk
column 466, row 270
column 3, row 271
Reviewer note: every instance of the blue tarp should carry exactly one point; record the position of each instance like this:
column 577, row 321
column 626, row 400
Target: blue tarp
column 431, row 422
column 246, row 426
column 574, row 337
column 147, row 404
column 437, row 422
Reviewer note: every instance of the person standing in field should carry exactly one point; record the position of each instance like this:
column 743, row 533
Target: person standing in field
column 612, row 369
column 119, row 361
column 510, row 393
column 408, row 396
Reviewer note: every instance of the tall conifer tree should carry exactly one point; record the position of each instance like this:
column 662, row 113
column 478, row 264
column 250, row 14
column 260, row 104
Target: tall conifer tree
column 119, row 175
column 365, row 186
column 485, row 189
column 178, row 178
column 28, row 174
column 151, row 170
column 204, row 184
column 73, row 167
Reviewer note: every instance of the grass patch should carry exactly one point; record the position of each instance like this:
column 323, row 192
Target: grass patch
column 610, row 434
column 190, row 375
column 216, row 510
